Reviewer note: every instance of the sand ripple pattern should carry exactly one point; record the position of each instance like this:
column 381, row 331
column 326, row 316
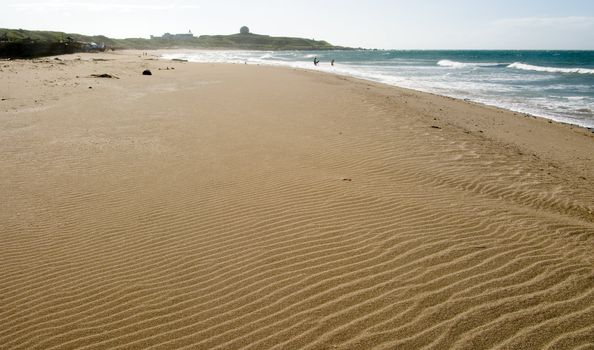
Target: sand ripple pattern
column 351, row 225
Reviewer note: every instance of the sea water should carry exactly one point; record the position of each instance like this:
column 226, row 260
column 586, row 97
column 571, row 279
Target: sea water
column 558, row 85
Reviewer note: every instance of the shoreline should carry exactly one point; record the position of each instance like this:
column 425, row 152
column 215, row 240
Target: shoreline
column 354, row 73
column 254, row 207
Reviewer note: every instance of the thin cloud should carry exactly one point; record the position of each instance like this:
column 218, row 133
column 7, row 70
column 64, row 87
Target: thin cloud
column 539, row 22
column 94, row 6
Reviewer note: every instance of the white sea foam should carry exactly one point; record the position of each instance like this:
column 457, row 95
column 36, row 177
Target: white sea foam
column 529, row 67
column 576, row 98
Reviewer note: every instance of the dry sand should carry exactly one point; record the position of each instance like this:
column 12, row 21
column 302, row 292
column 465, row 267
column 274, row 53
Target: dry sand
column 236, row 206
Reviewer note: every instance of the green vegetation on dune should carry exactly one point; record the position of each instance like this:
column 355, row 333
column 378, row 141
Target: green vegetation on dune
column 19, row 35
column 27, row 43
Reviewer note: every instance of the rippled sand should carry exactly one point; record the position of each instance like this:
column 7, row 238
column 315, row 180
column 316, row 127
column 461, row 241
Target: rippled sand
column 246, row 207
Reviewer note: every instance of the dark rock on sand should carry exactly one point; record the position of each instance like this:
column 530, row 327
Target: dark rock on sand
column 147, row 72
column 104, row 75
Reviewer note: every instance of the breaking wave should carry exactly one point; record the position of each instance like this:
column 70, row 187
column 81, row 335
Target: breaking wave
column 523, row 66
column 454, row 64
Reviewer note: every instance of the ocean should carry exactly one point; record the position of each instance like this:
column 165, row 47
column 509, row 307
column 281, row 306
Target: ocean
column 558, row 85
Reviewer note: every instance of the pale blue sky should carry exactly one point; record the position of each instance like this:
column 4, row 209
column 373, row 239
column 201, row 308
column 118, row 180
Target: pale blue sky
column 397, row 24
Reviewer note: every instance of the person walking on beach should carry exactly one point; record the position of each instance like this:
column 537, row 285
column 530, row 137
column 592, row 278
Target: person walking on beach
column 316, row 61
column 332, row 63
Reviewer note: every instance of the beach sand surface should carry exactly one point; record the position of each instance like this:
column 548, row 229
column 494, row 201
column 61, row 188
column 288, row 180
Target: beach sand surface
column 213, row 206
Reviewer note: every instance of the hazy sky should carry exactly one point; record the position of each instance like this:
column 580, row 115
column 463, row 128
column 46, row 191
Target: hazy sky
column 396, row 24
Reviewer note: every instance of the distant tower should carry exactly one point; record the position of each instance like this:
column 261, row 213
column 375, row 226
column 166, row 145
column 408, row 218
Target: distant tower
column 244, row 30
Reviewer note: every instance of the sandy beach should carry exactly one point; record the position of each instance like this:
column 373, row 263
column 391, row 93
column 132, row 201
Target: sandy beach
column 220, row 206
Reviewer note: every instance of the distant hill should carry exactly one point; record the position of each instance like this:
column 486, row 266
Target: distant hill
column 263, row 42
column 26, row 43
